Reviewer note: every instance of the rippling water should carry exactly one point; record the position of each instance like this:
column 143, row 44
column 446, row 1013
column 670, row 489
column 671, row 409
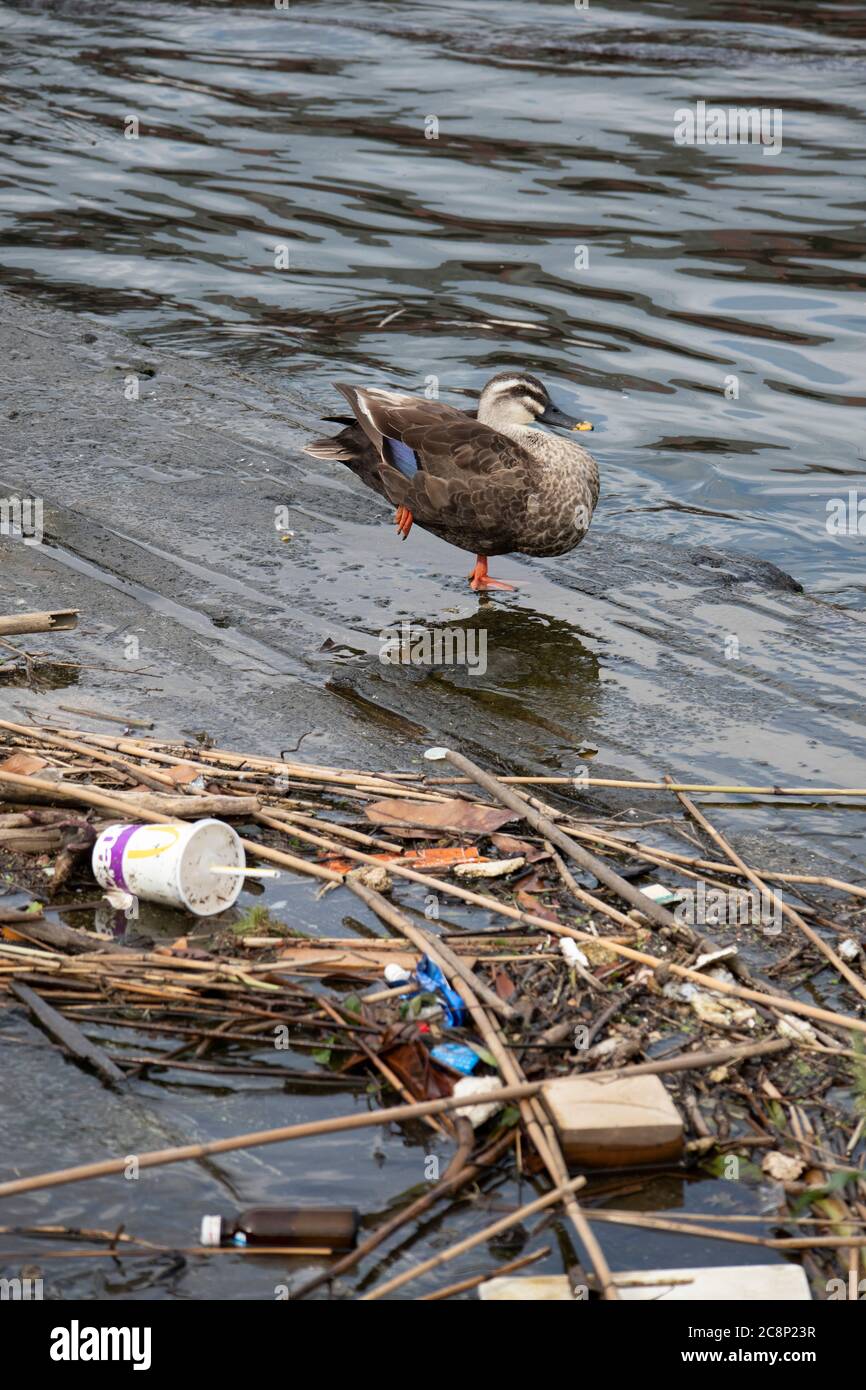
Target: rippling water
column 552, row 223
column 411, row 257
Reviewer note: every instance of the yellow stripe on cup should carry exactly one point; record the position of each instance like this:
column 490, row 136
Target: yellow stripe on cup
column 174, row 832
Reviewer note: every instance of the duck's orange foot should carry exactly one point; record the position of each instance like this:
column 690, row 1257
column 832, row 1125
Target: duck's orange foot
column 403, row 520
column 480, row 580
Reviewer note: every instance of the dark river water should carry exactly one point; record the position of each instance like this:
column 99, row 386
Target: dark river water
column 394, row 192
column 411, row 257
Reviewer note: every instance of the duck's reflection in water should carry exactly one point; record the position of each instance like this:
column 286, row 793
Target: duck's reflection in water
column 513, row 664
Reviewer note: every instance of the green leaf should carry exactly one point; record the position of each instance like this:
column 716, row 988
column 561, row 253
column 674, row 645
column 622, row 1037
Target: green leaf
column 323, row 1054
column 483, row 1055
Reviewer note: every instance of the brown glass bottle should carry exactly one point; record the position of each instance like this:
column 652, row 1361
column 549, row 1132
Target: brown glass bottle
column 320, row 1228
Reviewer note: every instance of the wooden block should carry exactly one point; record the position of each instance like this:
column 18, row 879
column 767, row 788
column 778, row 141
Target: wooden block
column 614, row 1123
column 716, row 1283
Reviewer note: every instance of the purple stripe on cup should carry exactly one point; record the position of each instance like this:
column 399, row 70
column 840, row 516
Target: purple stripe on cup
column 115, row 862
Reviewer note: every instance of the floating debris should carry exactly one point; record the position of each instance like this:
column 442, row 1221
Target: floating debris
column 600, row 1027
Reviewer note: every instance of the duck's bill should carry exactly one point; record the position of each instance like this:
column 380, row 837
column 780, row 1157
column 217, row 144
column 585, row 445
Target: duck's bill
column 552, row 415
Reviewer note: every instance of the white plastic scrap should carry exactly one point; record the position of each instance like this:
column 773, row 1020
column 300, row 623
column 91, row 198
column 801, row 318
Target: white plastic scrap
column 798, row 1028
column 396, row 974
column 493, row 868
column 723, row 953
column 711, row 1008
column 722, row 1014
column 478, row 1086
column 849, row 949
column 374, row 876
column 119, row 899
column 658, row 893
column 572, row 952
column 782, row 1167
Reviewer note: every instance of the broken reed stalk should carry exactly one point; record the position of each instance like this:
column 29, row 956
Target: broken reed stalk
column 602, row 871
column 690, row 865
column 123, row 719
column 345, row 833
column 826, row 950
column 82, row 796
column 632, row 785
column 67, row 1034
column 693, row 1061
column 210, row 759
column 753, row 996
column 503, row 1224
column 686, row 1228
column 532, row 1112
column 338, row 1124
column 159, row 779
column 56, row 620
column 218, row 806
column 124, row 807
column 403, row 781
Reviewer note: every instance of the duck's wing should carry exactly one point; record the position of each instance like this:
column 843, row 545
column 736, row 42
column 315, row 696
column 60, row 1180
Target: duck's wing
column 353, row 447
column 440, row 463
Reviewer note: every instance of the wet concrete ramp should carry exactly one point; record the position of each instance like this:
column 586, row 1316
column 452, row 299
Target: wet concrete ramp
column 261, row 588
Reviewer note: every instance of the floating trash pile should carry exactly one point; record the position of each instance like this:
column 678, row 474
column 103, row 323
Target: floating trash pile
column 608, row 1004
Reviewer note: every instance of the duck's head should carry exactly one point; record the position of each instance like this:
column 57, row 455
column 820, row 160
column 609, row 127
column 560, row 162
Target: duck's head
column 516, row 398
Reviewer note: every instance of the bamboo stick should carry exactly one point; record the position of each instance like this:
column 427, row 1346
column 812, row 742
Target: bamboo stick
column 685, row 1228
column 770, row 1001
column 75, row 746
column 602, row 871
column 691, row 865
column 630, row 784
column 338, row 1124
column 695, row 1061
column 826, row 950
column 56, row 620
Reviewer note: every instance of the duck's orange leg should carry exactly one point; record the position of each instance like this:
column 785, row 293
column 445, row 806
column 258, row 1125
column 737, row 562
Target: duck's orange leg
column 403, row 519
column 479, row 578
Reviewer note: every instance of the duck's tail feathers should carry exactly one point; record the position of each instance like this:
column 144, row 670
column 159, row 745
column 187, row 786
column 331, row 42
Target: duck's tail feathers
column 335, row 448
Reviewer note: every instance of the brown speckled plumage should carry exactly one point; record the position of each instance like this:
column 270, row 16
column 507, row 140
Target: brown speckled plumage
column 489, row 483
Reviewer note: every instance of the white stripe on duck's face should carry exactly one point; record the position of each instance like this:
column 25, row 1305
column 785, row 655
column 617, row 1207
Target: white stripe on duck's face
column 512, row 400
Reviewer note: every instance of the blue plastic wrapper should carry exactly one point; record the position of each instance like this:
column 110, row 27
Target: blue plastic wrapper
column 457, row 1056
column 432, row 981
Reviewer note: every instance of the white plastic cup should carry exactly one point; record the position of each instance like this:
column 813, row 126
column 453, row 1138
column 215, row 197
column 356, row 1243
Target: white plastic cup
column 171, row 863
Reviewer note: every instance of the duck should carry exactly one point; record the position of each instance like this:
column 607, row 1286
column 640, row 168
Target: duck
column 492, row 481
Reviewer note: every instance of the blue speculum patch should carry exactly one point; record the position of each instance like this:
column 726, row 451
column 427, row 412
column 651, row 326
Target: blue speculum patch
column 402, row 457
